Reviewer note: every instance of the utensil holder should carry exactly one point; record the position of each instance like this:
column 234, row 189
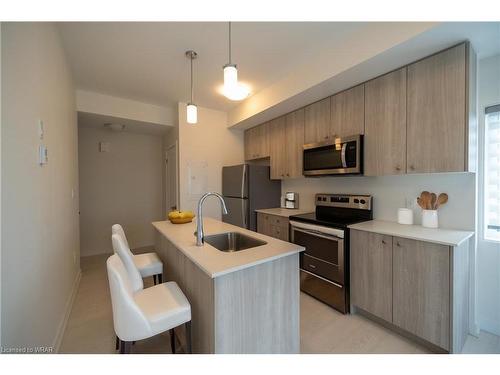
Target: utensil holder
column 430, row 218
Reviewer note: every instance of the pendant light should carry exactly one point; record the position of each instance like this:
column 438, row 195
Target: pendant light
column 232, row 89
column 192, row 110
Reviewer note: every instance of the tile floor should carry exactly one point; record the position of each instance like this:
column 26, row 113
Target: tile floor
column 90, row 326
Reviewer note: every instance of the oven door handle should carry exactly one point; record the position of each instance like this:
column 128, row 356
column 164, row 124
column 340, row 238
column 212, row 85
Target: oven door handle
column 318, row 234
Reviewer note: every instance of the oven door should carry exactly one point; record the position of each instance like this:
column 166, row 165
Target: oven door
column 324, row 254
column 342, row 156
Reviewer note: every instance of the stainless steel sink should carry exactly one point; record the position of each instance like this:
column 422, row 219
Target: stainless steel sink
column 233, row 241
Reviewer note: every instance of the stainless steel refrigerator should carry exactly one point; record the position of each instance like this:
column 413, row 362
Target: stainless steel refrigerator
column 247, row 188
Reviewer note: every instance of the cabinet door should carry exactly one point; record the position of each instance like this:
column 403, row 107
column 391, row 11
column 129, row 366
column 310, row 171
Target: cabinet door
column 421, row 295
column 294, row 142
column 347, row 113
column 385, row 124
column 277, row 136
column 317, row 122
column 437, row 112
column 371, row 273
column 263, row 224
column 257, row 142
column 262, row 146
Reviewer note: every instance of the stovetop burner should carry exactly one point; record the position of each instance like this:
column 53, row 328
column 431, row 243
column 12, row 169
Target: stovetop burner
column 338, row 210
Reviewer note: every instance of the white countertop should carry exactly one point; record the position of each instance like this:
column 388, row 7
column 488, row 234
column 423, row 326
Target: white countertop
column 448, row 237
column 214, row 262
column 284, row 212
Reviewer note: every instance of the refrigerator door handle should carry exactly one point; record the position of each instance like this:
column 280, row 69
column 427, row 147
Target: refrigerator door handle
column 244, row 213
column 243, row 180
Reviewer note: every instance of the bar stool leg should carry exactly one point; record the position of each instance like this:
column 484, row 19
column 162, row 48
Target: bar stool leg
column 154, row 279
column 188, row 338
column 160, row 278
column 117, row 343
column 172, row 340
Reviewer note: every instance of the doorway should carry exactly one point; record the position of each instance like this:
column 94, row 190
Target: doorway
column 171, row 172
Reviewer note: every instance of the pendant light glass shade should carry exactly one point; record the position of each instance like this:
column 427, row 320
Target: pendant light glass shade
column 230, row 76
column 192, row 113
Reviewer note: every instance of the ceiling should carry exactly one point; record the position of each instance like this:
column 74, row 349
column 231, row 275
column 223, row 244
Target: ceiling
column 97, row 121
column 145, row 61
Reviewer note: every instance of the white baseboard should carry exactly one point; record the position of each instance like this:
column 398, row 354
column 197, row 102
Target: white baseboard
column 67, row 311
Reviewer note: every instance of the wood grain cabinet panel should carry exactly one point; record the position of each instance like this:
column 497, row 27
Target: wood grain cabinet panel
column 371, row 273
column 317, row 122
column 421, row 290
column 257, row 142
column 347, row 116
column 437, row 113
column 294, row 143
column 277, row 147
column 385, row 124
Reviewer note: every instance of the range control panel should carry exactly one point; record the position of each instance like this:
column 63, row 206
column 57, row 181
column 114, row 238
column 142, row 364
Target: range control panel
column 363, row 202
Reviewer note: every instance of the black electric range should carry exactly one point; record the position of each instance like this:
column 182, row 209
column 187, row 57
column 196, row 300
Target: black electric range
column 324, row 265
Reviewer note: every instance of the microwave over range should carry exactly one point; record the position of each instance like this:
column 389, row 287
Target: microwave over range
column 340, row 156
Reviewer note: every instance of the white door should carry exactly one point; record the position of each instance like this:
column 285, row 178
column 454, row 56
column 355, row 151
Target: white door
column 171, row 178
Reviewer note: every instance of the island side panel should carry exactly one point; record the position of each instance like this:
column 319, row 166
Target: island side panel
column 460, row 298
column 257, row 308
column 199, row 290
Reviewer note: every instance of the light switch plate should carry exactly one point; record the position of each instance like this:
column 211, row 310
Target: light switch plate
column 43, row 155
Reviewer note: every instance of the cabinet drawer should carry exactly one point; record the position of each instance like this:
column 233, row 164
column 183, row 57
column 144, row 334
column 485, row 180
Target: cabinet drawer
column 324, row 269
column 278, row 221
column 279, row 232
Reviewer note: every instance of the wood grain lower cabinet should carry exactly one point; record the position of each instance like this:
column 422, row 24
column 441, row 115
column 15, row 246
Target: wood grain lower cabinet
column 371, row 273
column 421, row 289
column 273, row 226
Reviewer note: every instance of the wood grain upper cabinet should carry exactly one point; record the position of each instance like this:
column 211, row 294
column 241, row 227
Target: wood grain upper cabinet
column 437, row 112
column 277, row 148
column 286, row 138
column 385, row 124
column 257, row 142
column 371, row 273
column 347, row 116
column 421, row 289
column 294, row 141
column 317, row 122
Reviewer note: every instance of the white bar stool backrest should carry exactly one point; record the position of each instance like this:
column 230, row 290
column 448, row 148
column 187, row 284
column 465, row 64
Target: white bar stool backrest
column 127, row 258
column 129, row 321
column 118, row 229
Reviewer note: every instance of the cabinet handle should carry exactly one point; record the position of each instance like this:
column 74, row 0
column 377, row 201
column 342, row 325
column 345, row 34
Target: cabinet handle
column 326, row 137
column 312, row 266
column 398, row 168
column 383, row 241
column 288, row 175
column 397, row 244
column 412, row 167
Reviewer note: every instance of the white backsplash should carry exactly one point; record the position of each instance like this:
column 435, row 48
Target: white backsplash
column 391, row 192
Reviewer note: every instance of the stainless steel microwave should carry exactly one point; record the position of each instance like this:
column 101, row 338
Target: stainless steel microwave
column 341, row 156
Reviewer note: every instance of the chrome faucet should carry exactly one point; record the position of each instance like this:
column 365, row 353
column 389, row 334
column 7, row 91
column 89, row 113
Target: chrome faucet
column 199, row 217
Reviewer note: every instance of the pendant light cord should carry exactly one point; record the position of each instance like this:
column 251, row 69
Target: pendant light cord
column 191, row 79
column 229, row 42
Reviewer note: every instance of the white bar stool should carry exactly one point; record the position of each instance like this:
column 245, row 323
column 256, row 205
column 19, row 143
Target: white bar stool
column 143, row 313
column 148, row 264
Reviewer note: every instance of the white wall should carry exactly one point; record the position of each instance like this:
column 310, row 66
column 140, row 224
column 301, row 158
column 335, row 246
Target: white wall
column 121, row 186
column 40, row 257
column 211, row 144
column 488, row 268
column 391, row 192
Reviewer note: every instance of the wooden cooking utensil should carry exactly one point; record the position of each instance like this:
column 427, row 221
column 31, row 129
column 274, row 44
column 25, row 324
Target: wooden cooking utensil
column 433, row 201
column 420, row 203
column 442, row 199
column 425, row 197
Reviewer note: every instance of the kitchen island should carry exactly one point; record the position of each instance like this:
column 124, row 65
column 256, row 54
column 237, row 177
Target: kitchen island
column 241, row 302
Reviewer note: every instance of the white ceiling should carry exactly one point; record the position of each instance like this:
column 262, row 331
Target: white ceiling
column 145, row 61
column 97, row 121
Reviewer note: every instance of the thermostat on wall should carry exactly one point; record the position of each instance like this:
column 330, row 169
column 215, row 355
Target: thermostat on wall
column 103, row 146
column 43, row 156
